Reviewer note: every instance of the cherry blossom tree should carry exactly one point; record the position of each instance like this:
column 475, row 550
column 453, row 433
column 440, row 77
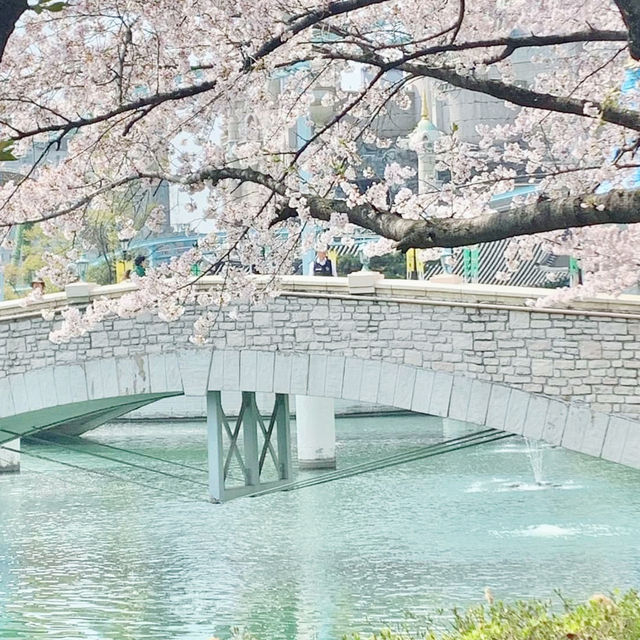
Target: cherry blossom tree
column 123, row 83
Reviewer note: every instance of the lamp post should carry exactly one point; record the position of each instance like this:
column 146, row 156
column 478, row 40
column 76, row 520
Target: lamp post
column 81, row 268
column 424, row 137
column 121, row 265
column 124, row 247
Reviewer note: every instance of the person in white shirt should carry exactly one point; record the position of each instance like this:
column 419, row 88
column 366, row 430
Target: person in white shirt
column 322, row 266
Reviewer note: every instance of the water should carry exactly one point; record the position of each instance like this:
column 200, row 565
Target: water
column 84, row 557
column 535, row 453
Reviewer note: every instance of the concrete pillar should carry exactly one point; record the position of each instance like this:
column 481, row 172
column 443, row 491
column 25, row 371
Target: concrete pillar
column 10, row 460
column 316, row 432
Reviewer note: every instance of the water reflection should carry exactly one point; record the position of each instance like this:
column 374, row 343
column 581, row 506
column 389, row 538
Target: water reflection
column 86, row 557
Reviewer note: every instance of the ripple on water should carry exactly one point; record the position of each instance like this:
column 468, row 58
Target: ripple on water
column 557, row 531
column 82, row 556
column 503, row 485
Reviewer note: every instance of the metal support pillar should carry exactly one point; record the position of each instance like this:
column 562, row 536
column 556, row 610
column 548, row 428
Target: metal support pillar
column 214, row 449
column 283, row 435
column 250, row 435
column 316, row 432
column 260, row 464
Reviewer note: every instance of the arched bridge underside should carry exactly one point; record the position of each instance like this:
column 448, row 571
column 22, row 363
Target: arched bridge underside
column 83, row 396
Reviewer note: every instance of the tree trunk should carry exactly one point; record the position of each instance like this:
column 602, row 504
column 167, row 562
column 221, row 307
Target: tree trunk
column 10, row 12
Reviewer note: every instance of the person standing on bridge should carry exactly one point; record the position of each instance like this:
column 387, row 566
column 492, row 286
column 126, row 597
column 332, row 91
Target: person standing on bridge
column 139, row 265
column 322, row 266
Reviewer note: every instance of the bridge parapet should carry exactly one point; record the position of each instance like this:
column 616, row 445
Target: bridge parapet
column 404, row 291
column 589, row 353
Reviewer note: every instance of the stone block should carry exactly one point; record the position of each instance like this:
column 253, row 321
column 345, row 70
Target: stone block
column 335, row 375
column 231, row 371
column 172, row 371
column 216, row 371
column 248, row 370
column 519, row 319
column 363, row 282
column 498, row 403
column 101, row 378
column 265, row 364
column 282, row 373
column 460, row 395
column 421, row 399
column 195, row 365
column 262, row 319
column 6, row 400
column 79, row 291
column 42, row 382
column 516, row 411
column 542, row 367
column 556, row 421
column 478, row 402
column 157, row 373
column 631, row 453
column 71, row 384
column 371, row 372
column 352, row 379
column 387, row 385
column 317, row 375
column 536, row 417
column 579, row 423
column 19, row 393
column 405, row 382
column 133, row 375
column 441, row 394
column 299, row 374
column 614, row 441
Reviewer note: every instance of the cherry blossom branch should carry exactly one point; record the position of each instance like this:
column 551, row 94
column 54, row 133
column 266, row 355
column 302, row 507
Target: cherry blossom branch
column 306, row 21
column 136, row 106
column 514, row 43
column 620, row 207
column 504, row 91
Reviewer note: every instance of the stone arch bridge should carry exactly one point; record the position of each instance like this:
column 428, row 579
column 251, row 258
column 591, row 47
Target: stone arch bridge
column 474, row 353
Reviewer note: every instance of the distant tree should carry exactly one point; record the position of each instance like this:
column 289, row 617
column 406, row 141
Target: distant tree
column 348, row 264
column 392, row 265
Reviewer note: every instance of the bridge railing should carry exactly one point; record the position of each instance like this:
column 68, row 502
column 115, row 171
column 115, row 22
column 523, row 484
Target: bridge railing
column 360, row 285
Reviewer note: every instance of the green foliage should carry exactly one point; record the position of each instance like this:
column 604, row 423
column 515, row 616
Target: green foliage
column 348, row 264
column 100, row 273
column 6, row 151
column 392, row 265
column 601, row 618
column 48, row 5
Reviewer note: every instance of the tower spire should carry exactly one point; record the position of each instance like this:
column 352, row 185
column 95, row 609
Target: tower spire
column 425, row 108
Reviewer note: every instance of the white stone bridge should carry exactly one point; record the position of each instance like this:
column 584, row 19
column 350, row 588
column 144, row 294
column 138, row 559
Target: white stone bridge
column 468, row 352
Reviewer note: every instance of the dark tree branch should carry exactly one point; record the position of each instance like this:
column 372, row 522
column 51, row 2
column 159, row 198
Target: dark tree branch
column 630, row 10
column 503, row 91
column 304, row 22
column 135, row 107
column 307, row 21
column 514, row 43
column 10, row 12
column 616, row 207
column 620, row 207
column 456, row 30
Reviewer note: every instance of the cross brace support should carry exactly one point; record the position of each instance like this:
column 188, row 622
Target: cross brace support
column 257, row 446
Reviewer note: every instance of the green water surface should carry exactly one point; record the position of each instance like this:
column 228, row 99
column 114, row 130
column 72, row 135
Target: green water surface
column 86, row 557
